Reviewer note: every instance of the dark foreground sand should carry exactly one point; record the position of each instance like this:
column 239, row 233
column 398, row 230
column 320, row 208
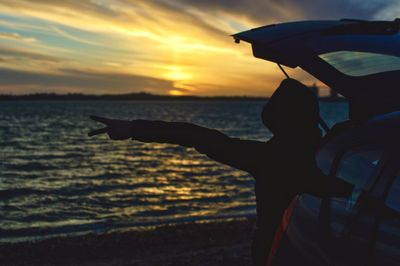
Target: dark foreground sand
column 212, row 243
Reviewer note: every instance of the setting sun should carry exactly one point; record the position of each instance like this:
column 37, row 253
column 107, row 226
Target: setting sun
column 177, row 74
column 175, row 93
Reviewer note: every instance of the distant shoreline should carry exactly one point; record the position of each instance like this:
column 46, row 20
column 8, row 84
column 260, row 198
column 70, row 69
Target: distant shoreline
column 137, row 97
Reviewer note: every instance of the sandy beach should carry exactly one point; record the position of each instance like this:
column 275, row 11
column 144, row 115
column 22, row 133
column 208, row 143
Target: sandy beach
column 206, row 243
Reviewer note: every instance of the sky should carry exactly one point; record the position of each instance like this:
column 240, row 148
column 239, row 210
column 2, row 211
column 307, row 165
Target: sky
column 175, row 47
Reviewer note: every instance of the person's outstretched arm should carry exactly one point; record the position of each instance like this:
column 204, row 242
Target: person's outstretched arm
column 237, row 153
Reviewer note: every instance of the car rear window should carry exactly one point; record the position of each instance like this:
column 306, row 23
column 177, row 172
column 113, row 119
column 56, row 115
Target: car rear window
column 361, row 63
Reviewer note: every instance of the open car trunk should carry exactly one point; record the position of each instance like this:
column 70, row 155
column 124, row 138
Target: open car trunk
column 358, row 59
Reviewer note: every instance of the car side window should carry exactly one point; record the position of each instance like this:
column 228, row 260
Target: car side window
column 357, row 166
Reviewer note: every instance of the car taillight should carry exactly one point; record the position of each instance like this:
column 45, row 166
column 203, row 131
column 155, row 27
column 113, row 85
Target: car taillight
column 281, row 230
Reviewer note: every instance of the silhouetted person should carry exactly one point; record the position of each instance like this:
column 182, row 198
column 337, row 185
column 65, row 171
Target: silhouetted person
column 282, row 167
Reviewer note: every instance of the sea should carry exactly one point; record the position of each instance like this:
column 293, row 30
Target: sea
column 57, row 181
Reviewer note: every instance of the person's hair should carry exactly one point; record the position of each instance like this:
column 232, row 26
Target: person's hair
column 292, row 109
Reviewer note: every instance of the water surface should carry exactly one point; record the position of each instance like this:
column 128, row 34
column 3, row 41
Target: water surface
column 54, row 180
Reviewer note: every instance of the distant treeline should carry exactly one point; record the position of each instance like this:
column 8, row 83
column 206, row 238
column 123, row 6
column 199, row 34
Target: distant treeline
column 142, row 96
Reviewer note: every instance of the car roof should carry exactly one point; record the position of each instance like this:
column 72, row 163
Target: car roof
column 301, row 44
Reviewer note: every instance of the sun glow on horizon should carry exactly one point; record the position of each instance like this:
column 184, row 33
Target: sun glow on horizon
column 175, row 93
column 176, row 73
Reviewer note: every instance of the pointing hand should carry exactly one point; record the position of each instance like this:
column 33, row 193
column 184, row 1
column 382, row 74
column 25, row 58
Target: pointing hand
column 116, row 129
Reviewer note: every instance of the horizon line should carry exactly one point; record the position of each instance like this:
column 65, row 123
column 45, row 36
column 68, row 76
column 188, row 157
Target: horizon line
column 135, row 96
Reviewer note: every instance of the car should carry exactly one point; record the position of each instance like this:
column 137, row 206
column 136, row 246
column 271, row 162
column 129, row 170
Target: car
column 361, row 61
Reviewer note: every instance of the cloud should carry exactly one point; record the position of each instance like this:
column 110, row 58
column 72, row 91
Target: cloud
column 80, row 81
column 69, row 36
column 389, row 13
column 27, row 55
column 262, row 11
column 16, row 36
column 195, row 14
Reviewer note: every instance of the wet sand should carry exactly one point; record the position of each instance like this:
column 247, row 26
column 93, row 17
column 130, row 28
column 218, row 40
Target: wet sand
column 207, row 243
